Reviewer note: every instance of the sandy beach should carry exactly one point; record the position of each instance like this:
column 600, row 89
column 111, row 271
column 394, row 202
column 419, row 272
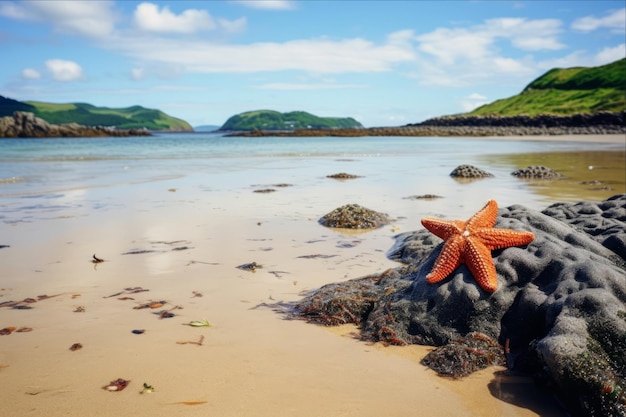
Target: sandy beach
column 181, row 239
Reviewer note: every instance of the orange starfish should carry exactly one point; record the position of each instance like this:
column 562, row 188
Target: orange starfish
column 471, row 242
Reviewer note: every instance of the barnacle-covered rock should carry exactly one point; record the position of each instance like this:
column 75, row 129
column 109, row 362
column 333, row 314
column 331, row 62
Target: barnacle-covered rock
column 537, row 172
column 353, row 216
column 469, row 171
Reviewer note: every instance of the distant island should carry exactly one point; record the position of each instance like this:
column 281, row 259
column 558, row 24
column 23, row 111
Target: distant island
column 134, row 117
column 270, row 120
column 577, row 100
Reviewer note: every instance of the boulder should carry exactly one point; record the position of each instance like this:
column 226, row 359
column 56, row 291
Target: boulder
column 559, row 312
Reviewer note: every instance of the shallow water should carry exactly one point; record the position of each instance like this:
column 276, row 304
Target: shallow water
column 44, row 178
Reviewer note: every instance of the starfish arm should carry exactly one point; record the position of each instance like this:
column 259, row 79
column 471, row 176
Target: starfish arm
column 480, row 263
column 448, row 260
column 443, row 228
column 485, row 217
column 503, row 238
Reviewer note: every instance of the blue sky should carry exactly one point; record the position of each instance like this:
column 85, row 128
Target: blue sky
column 385, row 63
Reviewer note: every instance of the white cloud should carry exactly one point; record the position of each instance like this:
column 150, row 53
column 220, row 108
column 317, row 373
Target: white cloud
column 91, row 18
column 63, row 70
column 30, row 74
column 473, row 101
column 581, row 58
column 312, row 55
column 608, row 55
column 268, row 4
column 615, row 20
column 150, row 18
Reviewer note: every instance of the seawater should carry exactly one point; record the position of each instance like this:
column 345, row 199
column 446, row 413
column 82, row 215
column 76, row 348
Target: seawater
column 62, row 175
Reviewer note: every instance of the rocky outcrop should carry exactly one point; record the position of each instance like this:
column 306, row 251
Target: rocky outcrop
column 469, row 171
column 582, row 120
column 559, row 313
column 537, row 172
column 27, row 125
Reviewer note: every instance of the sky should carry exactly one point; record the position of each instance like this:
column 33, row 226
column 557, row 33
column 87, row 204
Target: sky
column 385, row 63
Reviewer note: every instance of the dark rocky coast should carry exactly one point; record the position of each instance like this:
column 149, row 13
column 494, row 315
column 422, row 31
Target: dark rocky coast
column 559, row 313
column 26, row 125
column 601, row 123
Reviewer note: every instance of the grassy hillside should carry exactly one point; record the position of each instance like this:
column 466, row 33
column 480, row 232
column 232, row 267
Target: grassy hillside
column 273, row 120
column 567, row 91
column 135, row 117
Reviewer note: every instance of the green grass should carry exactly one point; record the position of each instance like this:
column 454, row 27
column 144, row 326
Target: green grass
column 567, row 91
column 134, row 117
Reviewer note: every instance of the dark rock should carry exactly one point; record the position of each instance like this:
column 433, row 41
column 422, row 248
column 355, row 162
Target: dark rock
column 27, row 125
column 537, row 172
column 559, row 312
column 342, row 176
column 469, row 171
column 353, row 216
column 424, row 197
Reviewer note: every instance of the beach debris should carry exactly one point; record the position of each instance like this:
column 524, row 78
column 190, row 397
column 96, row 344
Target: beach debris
column 138, row 331
column 317, row 255
column 345, row 244
column 76, row 346
column 117, row 385
column 199, row 323
column 166, row 314
column 96, row 260
column 171, row 190
column 4, row 246
column 201, row 262
column 138, row 251
column 353, row 216
column 196, row 294
column 7, row 330
column 190, row 402
column 24, row 330
column 264, row 190
column 151, row 304
column 125, row 298
column 342, row 176
column 252, row 266
column 79, row 309
column 129, row 290
column 423, row 197
column 147, row 389
column 25, row 303
column 192, row 342
column 3, row 366
column 74, row 296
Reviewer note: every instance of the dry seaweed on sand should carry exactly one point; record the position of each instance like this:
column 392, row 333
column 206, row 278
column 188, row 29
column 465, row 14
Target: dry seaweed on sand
column 117, row 385
column 465, row 355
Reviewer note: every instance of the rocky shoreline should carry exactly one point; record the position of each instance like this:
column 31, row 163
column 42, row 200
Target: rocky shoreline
column 27, row 125
column 601, row 123
column 559, row 314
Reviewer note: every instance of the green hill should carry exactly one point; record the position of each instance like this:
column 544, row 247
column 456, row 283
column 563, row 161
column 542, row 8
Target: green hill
column 565, row 92
column 273, row 120
column 134, row 117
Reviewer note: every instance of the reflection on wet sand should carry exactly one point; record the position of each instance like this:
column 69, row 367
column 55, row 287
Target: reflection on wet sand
column 588, row 175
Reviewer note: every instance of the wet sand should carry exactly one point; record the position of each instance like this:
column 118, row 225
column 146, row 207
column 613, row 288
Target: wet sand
column 166, row 238
column 252, row 361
